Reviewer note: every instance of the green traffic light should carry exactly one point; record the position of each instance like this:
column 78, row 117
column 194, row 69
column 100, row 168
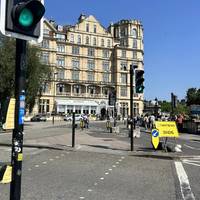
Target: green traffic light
column 26, row 18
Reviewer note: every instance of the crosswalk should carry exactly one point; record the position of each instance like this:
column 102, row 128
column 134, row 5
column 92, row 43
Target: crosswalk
column 195, row 161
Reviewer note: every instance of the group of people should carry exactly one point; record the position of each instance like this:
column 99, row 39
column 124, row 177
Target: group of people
column 148, row 121
column 84, row 122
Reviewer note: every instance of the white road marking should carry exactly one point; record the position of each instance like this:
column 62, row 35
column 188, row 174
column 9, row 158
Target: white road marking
column 106, row 173
column 184, row 182
column 95, row 183
column 29, row 169
column 192, row 161
column 36, row 165
column 194, row 148
column 117, row 163
column 102, row 178
column 110, row 169
column 122, row 157
column 120, row 160
column 57, row 157
column 89, row 190
column 44, row 162
column 114, row 166
column 51, row 159
column 81, row 197
column 62, row 154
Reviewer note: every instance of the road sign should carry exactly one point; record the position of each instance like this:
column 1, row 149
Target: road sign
column 155, row 138
column 167, row 129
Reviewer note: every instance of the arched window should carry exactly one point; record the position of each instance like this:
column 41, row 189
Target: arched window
column 134, row 33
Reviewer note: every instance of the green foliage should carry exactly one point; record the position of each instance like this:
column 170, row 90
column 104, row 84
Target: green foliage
column 165, row 106
column 7, row 67
column 181, row 108
column 36, row 74
column 193, row 96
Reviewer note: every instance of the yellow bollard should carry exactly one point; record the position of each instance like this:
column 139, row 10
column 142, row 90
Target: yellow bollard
column 6, row 174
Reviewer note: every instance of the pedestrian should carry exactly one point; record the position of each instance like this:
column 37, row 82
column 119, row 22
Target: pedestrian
column 81, row 123
column 146, row 121
column 179, row 122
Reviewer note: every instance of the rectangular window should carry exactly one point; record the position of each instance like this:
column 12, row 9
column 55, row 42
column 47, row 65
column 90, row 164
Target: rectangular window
column 60, row 37
column 91, row 52
column 61, row 48
column 72, row 38
column 45, row 58
column 91, row 65
column 105, row 53
column 106, row 77
column 87, row 28
column 124, row 66
column 75, row 64
column 46, row 32
column 106, row 66
column 123, row 91
column 95, row 28
column 123, row 54
column 75, row 50
column 134, row 43
column 45, row 44
column 60, row 61
column 134, row 55
column 61, row 74
column 90, row 76
column 75, row 75
column 124, row 78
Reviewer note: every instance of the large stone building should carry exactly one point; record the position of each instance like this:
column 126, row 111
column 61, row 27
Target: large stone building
column 88, row 61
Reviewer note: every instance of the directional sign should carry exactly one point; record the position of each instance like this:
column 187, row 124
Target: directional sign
column 167, row 129
column 155, row 138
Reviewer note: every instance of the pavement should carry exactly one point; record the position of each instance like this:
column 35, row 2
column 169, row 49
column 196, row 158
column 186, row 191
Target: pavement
column 105, row 142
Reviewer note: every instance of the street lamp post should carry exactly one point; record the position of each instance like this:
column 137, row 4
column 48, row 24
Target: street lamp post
column 54, row 94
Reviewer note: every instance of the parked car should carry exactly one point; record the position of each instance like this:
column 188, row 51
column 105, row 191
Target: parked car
column 39, row 118
column 68, row 118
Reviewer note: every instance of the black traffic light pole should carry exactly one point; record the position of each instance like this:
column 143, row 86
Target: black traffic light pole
column 131, row 105
column 73, row 129
column 17, row 137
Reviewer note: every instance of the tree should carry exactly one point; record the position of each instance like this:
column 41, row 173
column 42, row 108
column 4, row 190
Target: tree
column 193, row 96
column 36, row 74
column 165, row 106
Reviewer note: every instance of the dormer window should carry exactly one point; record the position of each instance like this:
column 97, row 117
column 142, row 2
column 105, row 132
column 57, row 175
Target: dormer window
column 95, row 28
column 87, row 28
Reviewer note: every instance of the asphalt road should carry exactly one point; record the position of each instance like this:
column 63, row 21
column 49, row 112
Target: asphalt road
column 76, row 174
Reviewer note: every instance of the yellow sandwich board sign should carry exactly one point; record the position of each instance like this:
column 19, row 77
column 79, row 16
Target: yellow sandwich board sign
column 167, row 129
column 10, row 116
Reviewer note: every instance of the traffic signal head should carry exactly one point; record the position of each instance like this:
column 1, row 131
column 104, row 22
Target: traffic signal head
column 139, row 81
column 23, row 19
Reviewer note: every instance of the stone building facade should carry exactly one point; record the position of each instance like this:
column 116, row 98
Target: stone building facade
column 88, row 61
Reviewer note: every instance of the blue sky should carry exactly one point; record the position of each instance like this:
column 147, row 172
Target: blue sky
column 171, row 37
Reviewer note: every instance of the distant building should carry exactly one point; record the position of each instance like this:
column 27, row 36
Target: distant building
column 88, row 61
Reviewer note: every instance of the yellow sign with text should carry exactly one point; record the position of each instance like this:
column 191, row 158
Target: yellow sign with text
column 167, row 129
